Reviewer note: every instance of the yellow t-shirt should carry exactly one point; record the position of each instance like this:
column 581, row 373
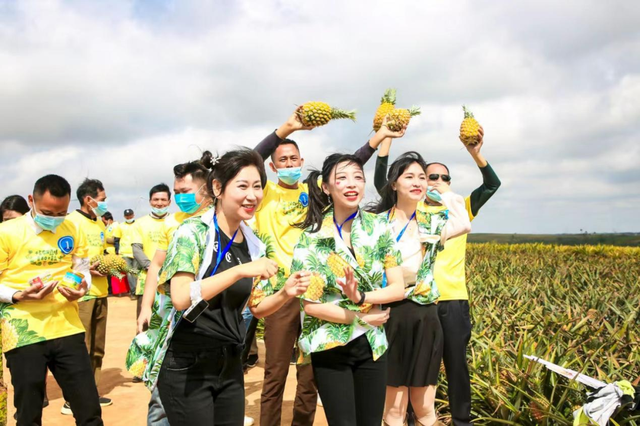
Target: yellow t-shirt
column 170, row 225
column 94, row 235
column 108, row 233
column 449, row 269
column 149, row 232
column 25, row 255
column 280, row 210
column 126, row 232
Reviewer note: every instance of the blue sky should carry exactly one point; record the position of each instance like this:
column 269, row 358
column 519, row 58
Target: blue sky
column 122, row 91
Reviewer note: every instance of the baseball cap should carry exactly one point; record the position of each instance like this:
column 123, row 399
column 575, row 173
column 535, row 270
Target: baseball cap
column 128, row 212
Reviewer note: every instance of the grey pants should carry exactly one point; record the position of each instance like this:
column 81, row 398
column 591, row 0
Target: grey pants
column 132, row 278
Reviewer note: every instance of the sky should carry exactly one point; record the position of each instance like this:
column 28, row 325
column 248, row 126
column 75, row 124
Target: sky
column 122, row 91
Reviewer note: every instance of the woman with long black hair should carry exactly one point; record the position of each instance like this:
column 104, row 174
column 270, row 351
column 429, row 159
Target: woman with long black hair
column 211, row 265
column 414, row 330
column 347, row 251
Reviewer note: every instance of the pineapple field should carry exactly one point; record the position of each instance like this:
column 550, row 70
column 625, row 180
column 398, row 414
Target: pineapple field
column 574, row 306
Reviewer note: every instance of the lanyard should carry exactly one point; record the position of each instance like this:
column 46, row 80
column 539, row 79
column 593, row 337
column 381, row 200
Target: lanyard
column 405, row 227
column 342, row 224
column 221, row 253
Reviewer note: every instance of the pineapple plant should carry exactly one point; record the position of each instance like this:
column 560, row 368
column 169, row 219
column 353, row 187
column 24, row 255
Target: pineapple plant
column 470, row 128
column 319, row 113
column 315, row 289
column 399, row 118
column 111, row 264
column 387, row 104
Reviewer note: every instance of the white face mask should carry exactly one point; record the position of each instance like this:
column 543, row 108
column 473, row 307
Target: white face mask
column 129, row 220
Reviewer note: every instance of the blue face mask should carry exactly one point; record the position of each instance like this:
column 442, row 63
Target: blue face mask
column 290, row 175
column 159, row 211
column 48, row 223
column 433, row 195
column 187, row 203
column 100, row 209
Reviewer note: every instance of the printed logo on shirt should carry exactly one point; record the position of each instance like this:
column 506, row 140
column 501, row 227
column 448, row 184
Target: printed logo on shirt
column 66, row 244
column 227, row 257
column 102, row 237
column 304, row 199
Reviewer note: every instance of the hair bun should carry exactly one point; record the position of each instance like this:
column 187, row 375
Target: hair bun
column 208, row 160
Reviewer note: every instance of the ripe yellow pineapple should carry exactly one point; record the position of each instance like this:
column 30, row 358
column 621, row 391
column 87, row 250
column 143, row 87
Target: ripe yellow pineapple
column 337, row 265
column 138, row 367
column 320, row 113
column 400, row 117
column 111, row 264
column 9, row 336
column 470, row 128
column 387, row 104
column 315, row 289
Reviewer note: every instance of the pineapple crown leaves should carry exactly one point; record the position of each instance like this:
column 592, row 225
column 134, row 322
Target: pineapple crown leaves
column 337, row 113
column 389, row 97
column 467, row 112
column 414, row 110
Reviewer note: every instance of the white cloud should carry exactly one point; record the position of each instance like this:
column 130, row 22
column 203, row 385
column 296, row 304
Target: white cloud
column 124, row 91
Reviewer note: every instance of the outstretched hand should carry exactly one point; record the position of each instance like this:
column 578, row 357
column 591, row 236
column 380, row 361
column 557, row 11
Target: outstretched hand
column 385, row 132
column 72, row 294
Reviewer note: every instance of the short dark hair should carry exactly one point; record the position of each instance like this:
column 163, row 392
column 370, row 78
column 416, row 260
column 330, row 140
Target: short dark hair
column 107, row 216
column 198, row 169
column 14, row 203
column 443, row 165
column 56, row 185
column 231, row 163
column 284, row 142
column 161, row 187
column 89, row 187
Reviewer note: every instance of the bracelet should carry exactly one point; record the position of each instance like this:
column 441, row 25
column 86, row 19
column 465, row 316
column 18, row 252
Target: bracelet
column 362, row 297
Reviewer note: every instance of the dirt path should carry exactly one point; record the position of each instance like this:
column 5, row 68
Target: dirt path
column 130, row 399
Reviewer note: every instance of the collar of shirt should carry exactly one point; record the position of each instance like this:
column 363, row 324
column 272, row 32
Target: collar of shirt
column 86, row 215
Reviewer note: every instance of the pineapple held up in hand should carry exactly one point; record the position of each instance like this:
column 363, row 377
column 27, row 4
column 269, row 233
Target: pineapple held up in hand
column 399, row 118
column 387, row 104
column 319, row 113
column 469, row 129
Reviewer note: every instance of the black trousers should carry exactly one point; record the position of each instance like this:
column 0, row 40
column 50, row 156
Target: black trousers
column 68, row 360
column 202, row 386
column 456, row 325
column 351, row 384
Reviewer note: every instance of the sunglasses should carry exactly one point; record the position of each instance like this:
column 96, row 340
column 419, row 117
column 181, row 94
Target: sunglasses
column 435, row 176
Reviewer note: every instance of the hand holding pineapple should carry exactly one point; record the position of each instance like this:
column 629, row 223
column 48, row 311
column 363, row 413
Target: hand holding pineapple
column 469, row 128
column 297, row 283
column 395, row 119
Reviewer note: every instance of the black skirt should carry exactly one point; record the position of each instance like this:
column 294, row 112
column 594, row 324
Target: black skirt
column 415, row 344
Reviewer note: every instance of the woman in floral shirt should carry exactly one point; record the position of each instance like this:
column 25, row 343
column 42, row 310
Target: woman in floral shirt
column 347, row 251
column 414, row 330
column 211, row 265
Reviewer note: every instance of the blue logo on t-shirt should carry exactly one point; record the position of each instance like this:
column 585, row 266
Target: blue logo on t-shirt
column 66, row 244
column 304, row 199
column 102, row 237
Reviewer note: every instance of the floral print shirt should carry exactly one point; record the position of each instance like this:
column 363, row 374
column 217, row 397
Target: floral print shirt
column 325, row 255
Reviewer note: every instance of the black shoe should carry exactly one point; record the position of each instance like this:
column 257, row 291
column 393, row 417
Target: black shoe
column 137, row 379
column 66, row 409
column 105, row 402
column 252, row 360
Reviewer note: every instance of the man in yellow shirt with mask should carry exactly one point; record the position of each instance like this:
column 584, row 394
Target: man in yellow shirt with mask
column 93, row 307
column 38, row 293
column 123, row 238
column 149, row 232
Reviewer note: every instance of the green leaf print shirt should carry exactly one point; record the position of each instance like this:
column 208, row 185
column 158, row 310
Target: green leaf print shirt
column 325, row 255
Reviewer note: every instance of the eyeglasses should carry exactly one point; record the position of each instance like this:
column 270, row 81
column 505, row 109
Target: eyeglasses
column 435, row 176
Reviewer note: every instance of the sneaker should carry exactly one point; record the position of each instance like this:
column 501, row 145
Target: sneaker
column 105, row 402
column 137, row 379
column 252, row 360
column 66, row 409
column 248, row 421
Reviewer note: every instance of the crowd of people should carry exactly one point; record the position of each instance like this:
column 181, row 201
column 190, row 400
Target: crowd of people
column 371, row 298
